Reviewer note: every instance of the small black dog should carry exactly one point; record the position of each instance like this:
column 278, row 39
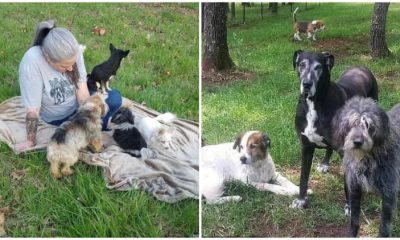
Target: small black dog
column 104, row 72
column 125, row 134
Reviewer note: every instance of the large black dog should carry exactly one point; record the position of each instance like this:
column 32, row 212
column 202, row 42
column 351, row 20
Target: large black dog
column 104, row 72
column 318, row 102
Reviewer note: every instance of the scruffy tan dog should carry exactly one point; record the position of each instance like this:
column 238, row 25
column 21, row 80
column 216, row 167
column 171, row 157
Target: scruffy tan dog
column 81, row 131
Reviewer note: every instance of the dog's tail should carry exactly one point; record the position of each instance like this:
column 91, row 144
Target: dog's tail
column 294, row 14
column 166, row 118
column 59, row 135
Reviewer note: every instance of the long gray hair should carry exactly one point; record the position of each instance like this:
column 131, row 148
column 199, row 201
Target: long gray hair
column 57, row 44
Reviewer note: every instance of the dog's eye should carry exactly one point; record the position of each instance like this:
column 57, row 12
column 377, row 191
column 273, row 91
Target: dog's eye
column 318, row 67
column 302, row 64
column 252, row 146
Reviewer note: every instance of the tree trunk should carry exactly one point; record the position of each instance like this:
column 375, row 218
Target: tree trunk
column 244, row 13
column 274, row 8
column 262, row 11
column 233, row 8
column 202, row 17
column 377, row 41
column 216, row 52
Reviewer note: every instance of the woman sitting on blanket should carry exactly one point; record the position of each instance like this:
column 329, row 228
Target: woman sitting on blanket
column 52, row 79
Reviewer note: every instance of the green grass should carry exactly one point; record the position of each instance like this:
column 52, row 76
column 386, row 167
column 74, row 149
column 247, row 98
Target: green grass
column 268, row 103
column 161, row 70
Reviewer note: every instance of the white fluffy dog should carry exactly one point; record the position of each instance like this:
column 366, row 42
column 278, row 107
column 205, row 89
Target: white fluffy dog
column 157, row 130
column 247, row 160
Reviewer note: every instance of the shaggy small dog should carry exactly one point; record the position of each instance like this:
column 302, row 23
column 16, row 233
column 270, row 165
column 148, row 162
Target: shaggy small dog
column 125, row 134
column 306, row 27
column 369, row 140
column 101, row 74
column 81, row 131
column 158, row 130
column 247, row 160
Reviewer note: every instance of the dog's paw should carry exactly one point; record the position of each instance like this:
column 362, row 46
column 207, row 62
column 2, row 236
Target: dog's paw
column 287, row 192
column 322, row 168
column 310, row 191
column 56, row 174
column 66, row 171
column 347, row 210
column 299, row 203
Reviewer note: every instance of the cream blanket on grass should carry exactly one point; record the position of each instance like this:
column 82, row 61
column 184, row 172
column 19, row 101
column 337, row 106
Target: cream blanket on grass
column 169, row 175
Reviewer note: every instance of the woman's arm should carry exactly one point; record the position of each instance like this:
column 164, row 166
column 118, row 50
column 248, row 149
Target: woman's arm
column 31, row 87
column 31, row 124
column 32, row 120
column 82, row 93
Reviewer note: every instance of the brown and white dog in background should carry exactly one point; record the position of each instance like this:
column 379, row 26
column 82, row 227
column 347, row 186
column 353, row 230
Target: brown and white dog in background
column 246, row 160
column 306, row 27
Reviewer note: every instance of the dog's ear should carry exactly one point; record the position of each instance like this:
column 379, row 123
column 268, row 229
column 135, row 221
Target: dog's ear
column 237, row 142
column 266, row 140
column 340, row 128
column 125, row 53
column 296, row 57
column 103, row 109
column 381, row 132
column 329, row 60
column 112, row 48
column 132, row 118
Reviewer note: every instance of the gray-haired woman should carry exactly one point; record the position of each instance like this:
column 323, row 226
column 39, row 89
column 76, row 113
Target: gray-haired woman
column 52, row 79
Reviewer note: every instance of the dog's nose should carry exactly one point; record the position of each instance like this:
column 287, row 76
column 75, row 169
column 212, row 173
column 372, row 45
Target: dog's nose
column 357, row 143
column 243, row 159
column 307, row 85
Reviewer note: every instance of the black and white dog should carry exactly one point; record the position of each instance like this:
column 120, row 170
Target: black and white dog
column 101, row 74
column 125, row 134
column 370, row 141
column 318, row 102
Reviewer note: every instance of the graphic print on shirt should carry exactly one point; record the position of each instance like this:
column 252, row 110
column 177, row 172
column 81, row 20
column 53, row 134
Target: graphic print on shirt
column 61, row 89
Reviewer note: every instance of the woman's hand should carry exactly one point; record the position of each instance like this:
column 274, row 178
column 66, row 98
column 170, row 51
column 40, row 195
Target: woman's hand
column 20, row 147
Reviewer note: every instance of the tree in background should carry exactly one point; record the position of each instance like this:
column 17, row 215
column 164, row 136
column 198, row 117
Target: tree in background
column 377, row 40
column 233, row 14
column 216, row 52
column 274, row 7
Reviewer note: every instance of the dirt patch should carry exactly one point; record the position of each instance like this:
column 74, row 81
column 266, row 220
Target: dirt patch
column 331, row 230
column 297, row 228
column 212, row 78
column 391, row 78
column 343, row 47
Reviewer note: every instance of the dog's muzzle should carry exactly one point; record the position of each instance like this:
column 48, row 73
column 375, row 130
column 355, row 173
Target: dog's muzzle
column 243, row 159
column 357, row 143
column 306, row 88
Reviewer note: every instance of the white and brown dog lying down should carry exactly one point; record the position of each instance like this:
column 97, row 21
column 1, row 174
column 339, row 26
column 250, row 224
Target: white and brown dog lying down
column 247, row 160
column 309, row 28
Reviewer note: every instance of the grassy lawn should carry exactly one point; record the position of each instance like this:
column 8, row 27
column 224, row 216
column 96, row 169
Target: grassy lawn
column 161, row 70
column 268, row 102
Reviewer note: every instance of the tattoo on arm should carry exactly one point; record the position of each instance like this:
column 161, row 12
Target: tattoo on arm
column 31, row 126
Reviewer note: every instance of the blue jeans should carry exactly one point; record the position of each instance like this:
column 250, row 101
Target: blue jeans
column 114, row 102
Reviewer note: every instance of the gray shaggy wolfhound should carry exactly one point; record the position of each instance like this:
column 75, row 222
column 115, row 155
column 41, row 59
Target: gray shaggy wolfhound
column 369, row 140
